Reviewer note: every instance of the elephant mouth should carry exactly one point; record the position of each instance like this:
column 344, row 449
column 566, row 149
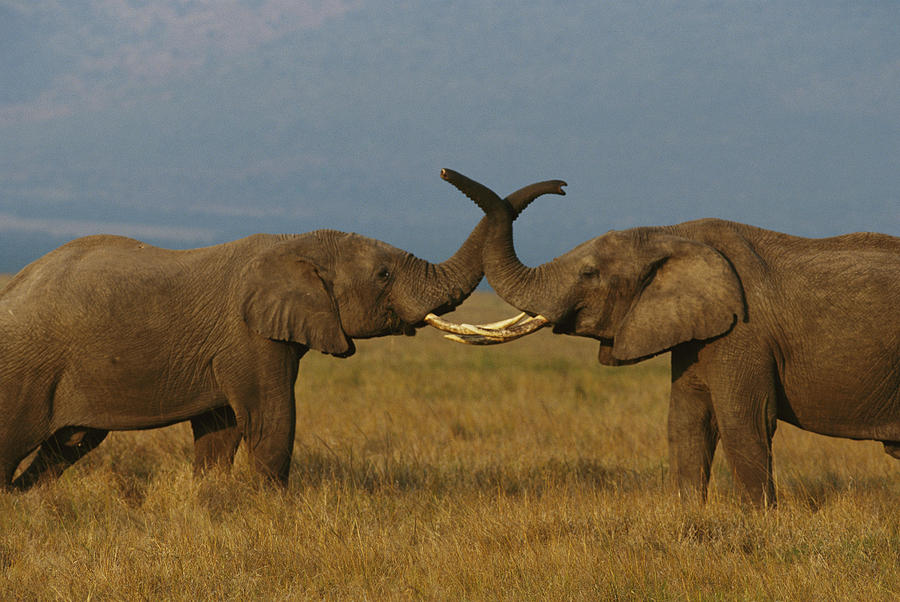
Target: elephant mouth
column 392, row 324
column 576, row 324
column 405, row 329
column 571, row 329
column 566, row 324
column 397, row 325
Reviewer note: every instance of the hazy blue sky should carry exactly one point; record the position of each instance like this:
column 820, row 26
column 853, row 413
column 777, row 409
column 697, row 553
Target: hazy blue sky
column 187, row 123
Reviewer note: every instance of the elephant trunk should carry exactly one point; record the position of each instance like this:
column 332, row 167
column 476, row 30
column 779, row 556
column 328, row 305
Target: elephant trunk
column 521, row 286
column 518, row 284
column 443, row 286
column 440, row 287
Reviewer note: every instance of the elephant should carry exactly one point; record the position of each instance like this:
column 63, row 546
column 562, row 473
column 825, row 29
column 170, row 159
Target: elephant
column 109, row 333
column 761, row 326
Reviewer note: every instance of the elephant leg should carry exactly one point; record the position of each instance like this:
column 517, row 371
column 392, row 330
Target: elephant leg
column 262, row 397
column 65, row 447
column 746, row 413
column 751, row 461
column 216, row 439
column 268, row 428
column 693, row 435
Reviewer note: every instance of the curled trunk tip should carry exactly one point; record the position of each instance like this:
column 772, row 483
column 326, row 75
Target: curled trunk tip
column 489, row 201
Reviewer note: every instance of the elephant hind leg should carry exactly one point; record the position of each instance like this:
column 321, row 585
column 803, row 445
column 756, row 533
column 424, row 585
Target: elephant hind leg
column 65, row 447
column 216, row 439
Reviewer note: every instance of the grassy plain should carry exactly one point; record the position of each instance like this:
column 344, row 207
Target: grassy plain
column 429, row 470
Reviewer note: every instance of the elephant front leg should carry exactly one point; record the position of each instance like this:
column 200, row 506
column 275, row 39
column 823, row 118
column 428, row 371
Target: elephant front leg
column 262, row 397
column 268, row 429
column 216, row 439
column 693, row 436
column 750, row 458
column 747, row 418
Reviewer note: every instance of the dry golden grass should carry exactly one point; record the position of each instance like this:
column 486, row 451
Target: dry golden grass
column 429, row 470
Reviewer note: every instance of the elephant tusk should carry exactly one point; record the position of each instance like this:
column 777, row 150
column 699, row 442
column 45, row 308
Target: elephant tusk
column 515, row 331
column 491, row 329
column 446, row 326
column 488, row 334
column 504, row 323
column 472, row 339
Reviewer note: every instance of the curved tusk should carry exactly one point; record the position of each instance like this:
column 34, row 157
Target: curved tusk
column 472, row 339
column 482, row 335
column 493, row 329
column 518, row 330
column 504, row 323
column 446, row 326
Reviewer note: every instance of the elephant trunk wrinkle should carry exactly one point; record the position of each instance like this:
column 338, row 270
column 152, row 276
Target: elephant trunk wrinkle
column 522, row 286
column 440, row 287
column 495, row 230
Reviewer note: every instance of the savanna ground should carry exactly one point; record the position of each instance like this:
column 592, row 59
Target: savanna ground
column 428, row 470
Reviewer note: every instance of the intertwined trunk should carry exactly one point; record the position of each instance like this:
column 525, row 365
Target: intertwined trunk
column 526, row 288
column 441, row 287
column 519, row 285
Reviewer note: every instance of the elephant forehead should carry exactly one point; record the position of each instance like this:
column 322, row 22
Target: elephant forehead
column 616, row 239
column 605, row 248
column 363, row 248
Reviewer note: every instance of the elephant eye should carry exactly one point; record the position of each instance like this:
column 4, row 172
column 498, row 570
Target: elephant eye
column 589, row 272
column 383, row 274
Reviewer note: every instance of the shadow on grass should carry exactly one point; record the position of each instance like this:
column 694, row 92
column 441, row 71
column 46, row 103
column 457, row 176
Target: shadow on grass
column 817, row 492
column 312, row 468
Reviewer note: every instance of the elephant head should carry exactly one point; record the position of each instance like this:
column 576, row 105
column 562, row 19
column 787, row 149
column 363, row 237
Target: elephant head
column 326, row 288
column 639, row 292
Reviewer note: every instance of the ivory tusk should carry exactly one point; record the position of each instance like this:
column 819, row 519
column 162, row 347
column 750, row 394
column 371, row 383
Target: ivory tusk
column 518, row 330
column 480, row 329
column 504, row 323
column 442, row 324
column 483, row 335
column 474, row 339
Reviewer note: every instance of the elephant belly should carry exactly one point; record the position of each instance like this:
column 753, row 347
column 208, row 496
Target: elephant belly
column 856, row 405
column 839, row 358
column 116, row 394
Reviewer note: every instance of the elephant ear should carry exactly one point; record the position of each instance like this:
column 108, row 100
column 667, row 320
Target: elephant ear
column 691, row 293
column 286, row 299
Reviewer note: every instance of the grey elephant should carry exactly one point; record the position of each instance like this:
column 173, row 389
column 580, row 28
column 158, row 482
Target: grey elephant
column 108, row 333
column 762, row 326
